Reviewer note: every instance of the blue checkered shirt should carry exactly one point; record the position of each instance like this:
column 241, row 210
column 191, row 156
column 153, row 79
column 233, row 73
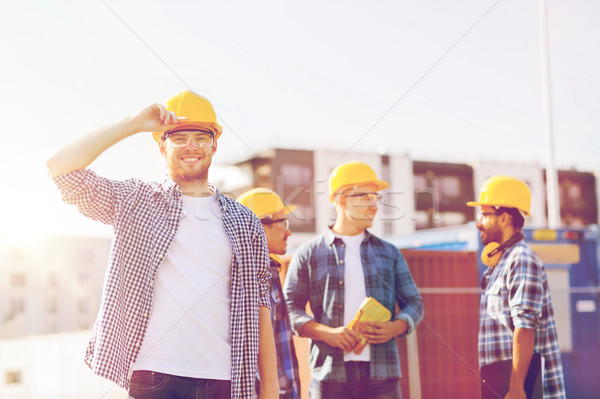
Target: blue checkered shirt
column 145, row 218
column 517, row 295
column 287, row 363
column 316, row 275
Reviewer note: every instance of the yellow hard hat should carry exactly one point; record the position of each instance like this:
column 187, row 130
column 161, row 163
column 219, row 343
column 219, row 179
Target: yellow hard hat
column 505, row 191
column 352, row 174
column 198, row 111
column 264, row 202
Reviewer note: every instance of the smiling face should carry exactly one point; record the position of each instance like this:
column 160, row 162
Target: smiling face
column 188, row 156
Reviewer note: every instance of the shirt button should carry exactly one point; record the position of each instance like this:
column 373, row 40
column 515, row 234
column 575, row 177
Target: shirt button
column 342, row 261
column 145, row 314
column 151, row 283
column 341, row 282
column 137, row 344
column 340, row 306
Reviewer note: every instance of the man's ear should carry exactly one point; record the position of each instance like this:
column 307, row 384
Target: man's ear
column 214, row 146
column 505, row 219
column 161, row 147
column 341, row 200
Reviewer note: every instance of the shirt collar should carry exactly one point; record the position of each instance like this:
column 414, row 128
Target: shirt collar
column 330, row 237
column 172, row 188
column 221, row 198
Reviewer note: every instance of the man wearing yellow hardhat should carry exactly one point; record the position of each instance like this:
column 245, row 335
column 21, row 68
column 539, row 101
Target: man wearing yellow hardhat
column 335, row 272
column 517, row 331
column 185, row 308
column 271, row 211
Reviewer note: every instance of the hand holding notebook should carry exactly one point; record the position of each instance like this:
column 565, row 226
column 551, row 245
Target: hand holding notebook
column 370, row 310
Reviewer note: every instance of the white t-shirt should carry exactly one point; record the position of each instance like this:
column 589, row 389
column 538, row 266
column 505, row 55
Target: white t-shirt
column 354, row 288
column 188, row 331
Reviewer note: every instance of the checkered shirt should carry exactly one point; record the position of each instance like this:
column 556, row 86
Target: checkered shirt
column 287, row 363
column 145, row 218
column 517, row 295
column 316, row 274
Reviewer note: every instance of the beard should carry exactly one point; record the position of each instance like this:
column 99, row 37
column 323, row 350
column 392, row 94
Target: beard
column 191, row 175
column 180, row 173
column 491, row 234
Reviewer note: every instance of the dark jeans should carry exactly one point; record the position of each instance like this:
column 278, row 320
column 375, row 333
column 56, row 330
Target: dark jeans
column 152, row 385
column 358, row 385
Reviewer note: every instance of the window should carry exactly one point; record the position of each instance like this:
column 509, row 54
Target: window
column 53, row 280
column 52, row 305
column 452, row 218
column 262, row 175
column 86, row 256
column 13, row 377
column 84, row 305
column 17, row 305
column 296, row 175
column 84, row 278
column 448, row 186
column 17, row 280
column 301, row 217
column 83, row 325
column 52, row 327
column 573, row 191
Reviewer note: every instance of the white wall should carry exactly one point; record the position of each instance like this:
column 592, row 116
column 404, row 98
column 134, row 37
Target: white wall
column 52, row 367
column 77, row 267
column 401, row 195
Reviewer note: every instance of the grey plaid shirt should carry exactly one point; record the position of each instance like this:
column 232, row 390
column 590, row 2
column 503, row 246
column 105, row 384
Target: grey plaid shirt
column 145, row 218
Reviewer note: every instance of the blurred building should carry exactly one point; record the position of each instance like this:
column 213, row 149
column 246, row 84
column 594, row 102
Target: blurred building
column 578, row 200
column 50, row 366
column 301, row 177
column 422, row 195
column 51, row 285
column 50, row 289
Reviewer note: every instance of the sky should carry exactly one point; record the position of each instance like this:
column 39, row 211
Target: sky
column 456, row 81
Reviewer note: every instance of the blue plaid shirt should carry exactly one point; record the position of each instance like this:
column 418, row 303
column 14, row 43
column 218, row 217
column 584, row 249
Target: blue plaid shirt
column 317, row 275
column 287, row 363
column 516, row 294
column 145, row 218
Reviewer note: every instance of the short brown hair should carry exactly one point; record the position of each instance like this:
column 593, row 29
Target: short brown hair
column 517, row 219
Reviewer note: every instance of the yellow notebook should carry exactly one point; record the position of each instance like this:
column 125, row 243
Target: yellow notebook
column 370, row 310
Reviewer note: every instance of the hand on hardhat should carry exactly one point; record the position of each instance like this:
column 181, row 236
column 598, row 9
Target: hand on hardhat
column 156, row 118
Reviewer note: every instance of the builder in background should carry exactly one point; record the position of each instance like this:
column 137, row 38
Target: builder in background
column 185, row 307
column 335, row 272
column 271, row 211
column 516, row 327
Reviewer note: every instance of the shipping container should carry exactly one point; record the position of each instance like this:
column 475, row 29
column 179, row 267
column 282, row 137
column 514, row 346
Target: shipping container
column 570, row 259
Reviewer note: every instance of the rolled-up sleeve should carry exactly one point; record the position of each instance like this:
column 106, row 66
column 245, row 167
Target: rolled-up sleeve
column 93, row 195
column 263, row 272
column 526, row 296
column 407, row 295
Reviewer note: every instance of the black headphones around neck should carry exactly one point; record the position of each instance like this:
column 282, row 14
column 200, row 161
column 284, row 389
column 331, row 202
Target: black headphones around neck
column 490, row 256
